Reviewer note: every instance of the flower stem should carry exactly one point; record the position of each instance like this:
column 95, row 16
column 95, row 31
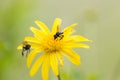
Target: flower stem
column 59, row 77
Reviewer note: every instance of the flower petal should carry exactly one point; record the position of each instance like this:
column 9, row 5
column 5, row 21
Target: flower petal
column 35, row 45
column 36, row 65
column 56, row 24
column 32, row 39
column 68, row 29
column 43, row 27
column 72, row 56
column 79, row 39
column 46, row 67
column 54, row 63
column 31, row 56
column 38, row 33
column 59, row 55
column 73, row 45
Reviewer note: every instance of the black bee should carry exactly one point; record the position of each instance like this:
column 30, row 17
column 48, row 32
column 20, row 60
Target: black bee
column 26, row 48
column 58, row 34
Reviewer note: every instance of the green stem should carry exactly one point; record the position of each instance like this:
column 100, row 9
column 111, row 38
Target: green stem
column 59, row 77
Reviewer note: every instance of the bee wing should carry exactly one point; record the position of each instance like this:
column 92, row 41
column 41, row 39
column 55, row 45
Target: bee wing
column 20, row 46
column 25, row 43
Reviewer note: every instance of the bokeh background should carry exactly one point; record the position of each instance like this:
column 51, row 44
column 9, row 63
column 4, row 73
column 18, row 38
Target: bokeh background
column 99, row 20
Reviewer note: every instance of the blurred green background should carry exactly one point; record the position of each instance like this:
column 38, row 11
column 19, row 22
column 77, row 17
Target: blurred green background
column 99, row 20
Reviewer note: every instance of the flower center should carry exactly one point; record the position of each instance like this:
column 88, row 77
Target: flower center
column 49, row 44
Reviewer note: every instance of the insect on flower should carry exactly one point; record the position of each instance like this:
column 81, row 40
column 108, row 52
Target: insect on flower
column 58, row 34
column 52, row 46
column 26, row 48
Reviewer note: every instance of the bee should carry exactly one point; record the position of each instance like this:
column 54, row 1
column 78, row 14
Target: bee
column 26, row 48
column 58, row 34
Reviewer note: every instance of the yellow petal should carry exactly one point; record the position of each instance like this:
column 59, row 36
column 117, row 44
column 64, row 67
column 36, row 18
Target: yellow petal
column 38, row 33
column 79, row 39
column 76, row 45
column 43, row 27
column 31, row 39
column 68, row 29
column 54, row 63
column 35, row 45
column 45, row 67
column 31, row 56
column 59, row 55
column 72, row 56
column 56, row 25
column 71, row 53
column 73, row 60
column 20, row 46
column 36, row 65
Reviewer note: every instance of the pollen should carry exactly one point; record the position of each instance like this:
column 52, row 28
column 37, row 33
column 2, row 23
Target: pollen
column 50, row 45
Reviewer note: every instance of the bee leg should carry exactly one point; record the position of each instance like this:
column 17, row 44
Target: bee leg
column 28, row 51
column 23, row 52
column 61, row 36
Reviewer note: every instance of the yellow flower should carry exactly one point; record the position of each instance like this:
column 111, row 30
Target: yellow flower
column 51, row 50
